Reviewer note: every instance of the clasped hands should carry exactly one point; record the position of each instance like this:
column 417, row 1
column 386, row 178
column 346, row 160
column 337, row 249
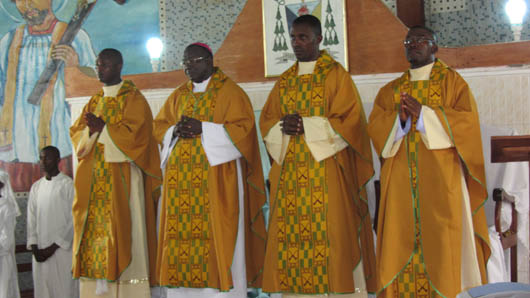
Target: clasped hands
column 41, row 255
column 409, row 107
column 187, row 128
column 292, row 124
column 94, row 123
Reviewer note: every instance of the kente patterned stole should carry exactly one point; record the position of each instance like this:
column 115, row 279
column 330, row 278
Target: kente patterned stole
column 188, row 206
column 302, row 199
column 94, row 251
column 413, row 280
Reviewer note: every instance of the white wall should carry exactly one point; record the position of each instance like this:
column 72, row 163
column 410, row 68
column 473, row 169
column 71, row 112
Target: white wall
column 502, row 94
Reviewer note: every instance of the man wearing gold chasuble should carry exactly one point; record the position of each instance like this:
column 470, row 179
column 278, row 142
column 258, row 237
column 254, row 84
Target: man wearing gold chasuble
column 320, row 241
column 432, row 234
column 212, row 232
column 117, row 184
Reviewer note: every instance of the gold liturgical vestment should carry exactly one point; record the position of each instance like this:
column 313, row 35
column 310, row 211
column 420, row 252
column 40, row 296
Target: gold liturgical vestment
column 200, row 209
column 421, row 243
column 320, row 229
column 101, row 212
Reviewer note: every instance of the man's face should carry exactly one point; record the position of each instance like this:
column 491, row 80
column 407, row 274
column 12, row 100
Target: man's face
column 421, row 47
column 305, row 42
column 197, row 64
column 34, row 11
column 107, row 70
column 48, row 161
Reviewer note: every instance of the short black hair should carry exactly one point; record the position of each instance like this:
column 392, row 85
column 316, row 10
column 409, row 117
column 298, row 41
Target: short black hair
column 433, row 34
column 206, row 52
column 112, row 54
column 52, row 150
column 310, row 20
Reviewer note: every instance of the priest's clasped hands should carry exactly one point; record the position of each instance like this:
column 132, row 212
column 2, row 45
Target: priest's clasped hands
column 409, row 107
column 94, row 123
column 292, row 124
column 187, row 128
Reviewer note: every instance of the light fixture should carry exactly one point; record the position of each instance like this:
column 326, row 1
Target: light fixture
column 516, row 10
column 154, row 47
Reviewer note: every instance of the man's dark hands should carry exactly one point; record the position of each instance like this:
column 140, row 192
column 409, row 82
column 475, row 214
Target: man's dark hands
column 41, row 255
column 94, row 123
column 37, row 253
column 409, row 107
column 188, row 128
column 292, row 125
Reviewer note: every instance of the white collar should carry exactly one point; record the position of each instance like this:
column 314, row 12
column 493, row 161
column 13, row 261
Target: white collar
column 306, row 67
column 421, row 73
column 201, row 87
column 112, row 91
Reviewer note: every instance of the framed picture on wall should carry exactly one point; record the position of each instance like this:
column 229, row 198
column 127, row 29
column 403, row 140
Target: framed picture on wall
column 278, row 16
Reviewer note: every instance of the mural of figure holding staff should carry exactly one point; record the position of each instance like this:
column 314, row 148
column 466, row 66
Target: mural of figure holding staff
column 25, row 53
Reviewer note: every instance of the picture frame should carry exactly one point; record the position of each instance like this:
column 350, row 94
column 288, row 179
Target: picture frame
column 277, row 18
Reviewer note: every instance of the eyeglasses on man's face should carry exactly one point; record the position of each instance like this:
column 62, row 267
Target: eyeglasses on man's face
column 187, row 62
column 417, row 41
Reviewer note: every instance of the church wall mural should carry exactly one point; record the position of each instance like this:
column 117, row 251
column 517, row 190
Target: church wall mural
column 39, row 38
column 33, row 57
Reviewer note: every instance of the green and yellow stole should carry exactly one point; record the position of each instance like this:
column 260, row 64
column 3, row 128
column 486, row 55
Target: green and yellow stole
column 186, row 183
column 302, row 199
column 413, row 279
column 95, row 244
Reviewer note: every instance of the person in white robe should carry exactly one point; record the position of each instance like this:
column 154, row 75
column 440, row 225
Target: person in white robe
column 50, row 229
column 8, row 213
